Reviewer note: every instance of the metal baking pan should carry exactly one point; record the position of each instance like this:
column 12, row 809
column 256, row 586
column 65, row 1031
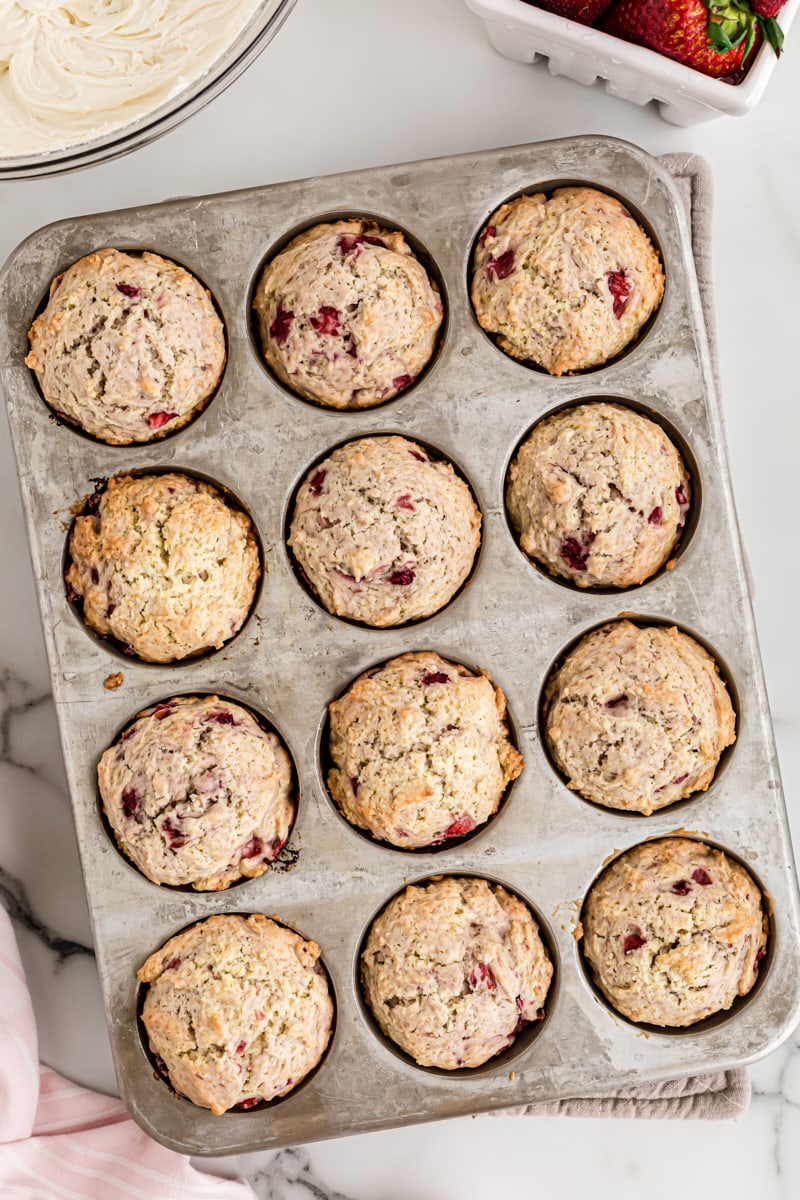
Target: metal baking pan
column 473, row 405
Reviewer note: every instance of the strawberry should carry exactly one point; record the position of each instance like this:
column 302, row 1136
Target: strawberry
column 584, row 11
column 767, row 8
column 767, row 11
column 716, row 37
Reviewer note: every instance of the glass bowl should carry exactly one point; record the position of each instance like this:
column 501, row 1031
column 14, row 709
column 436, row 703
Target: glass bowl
column 243, row 50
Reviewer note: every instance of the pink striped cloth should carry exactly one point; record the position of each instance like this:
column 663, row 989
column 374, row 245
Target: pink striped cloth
column 61, row 1140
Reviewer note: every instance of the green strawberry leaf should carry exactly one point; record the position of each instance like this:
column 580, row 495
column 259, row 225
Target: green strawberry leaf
column 718, row 37
column 731, row 24
column 773, row 33
column 751, row 37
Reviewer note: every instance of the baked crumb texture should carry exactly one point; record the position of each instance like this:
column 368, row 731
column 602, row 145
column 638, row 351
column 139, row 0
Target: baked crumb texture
column 164, row 565
column 674, row 931
column 129, row 347
column 598, row 495
column 238, row 1010
column 565, row 282
column 198, row 792
column 382, row 533
column 637, row 717
column 453, row 970
column 347, row 315
column 421, row 751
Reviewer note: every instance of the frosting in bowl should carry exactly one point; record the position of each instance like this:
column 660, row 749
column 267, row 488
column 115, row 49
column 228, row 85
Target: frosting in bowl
column 71, row 72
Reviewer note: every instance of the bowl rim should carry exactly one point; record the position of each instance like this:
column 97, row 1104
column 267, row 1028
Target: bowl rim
column 263, row 24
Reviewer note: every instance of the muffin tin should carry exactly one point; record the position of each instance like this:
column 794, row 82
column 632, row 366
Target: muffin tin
column 547, row 845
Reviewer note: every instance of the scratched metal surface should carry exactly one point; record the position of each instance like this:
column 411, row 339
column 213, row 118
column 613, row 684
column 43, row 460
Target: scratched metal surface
column 474, row 406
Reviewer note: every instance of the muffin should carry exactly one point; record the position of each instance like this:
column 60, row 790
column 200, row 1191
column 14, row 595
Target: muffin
column 598, row 495
column 238, row 1010
column 453, row 969
column 198, row 792
column 674, row 931
column 421, row 751
column 565, row 282
column 637, row 716
column 129, row 347
column 163, row 564
column 347, row 315
column 383, row 533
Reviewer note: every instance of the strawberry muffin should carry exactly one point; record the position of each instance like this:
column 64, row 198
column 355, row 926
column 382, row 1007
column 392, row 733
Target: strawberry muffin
column 637, row 717
column 421, row 751
column 198, row 792
column 164, row 565
column 567, row 281
column 674, row 931
column 599, row 495
column 383, row 533
column 129, row 347
column 453, row 969
column 238, row 1010
column 347, row 315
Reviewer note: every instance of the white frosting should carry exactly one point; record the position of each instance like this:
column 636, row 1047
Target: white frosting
column 70, row 72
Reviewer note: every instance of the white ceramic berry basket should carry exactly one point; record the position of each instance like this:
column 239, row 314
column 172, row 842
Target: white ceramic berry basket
column 684, row 96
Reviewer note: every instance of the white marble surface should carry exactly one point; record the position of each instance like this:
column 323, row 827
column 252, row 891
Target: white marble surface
column 358, row 83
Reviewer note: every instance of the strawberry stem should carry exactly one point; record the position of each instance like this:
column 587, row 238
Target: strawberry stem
column 731, row 22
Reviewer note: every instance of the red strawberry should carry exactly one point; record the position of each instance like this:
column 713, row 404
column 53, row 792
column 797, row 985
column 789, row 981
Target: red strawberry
column 767, row 8
column 713, row 36
column 767, row 11
column 585, row 11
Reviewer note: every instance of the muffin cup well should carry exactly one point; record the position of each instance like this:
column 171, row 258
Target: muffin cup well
column 159, row 1072
column 714, row 1020
column 158, row 436
column 530, row 1032
column 108, row 642
column 435, row 455
column 420, row 252
column 547, row 188
column 324, row 763
column 693, row 515
column 725, row 675
column 287, row 856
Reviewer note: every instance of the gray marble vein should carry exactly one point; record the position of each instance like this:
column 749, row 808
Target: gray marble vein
column 15, row 901
column 290, row 1177
column 284, row 1175
column 28, row 729
column 29, row 742
column 16, row 696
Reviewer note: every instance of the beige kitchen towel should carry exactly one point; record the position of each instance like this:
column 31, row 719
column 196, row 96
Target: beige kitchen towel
column 724, row 1094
